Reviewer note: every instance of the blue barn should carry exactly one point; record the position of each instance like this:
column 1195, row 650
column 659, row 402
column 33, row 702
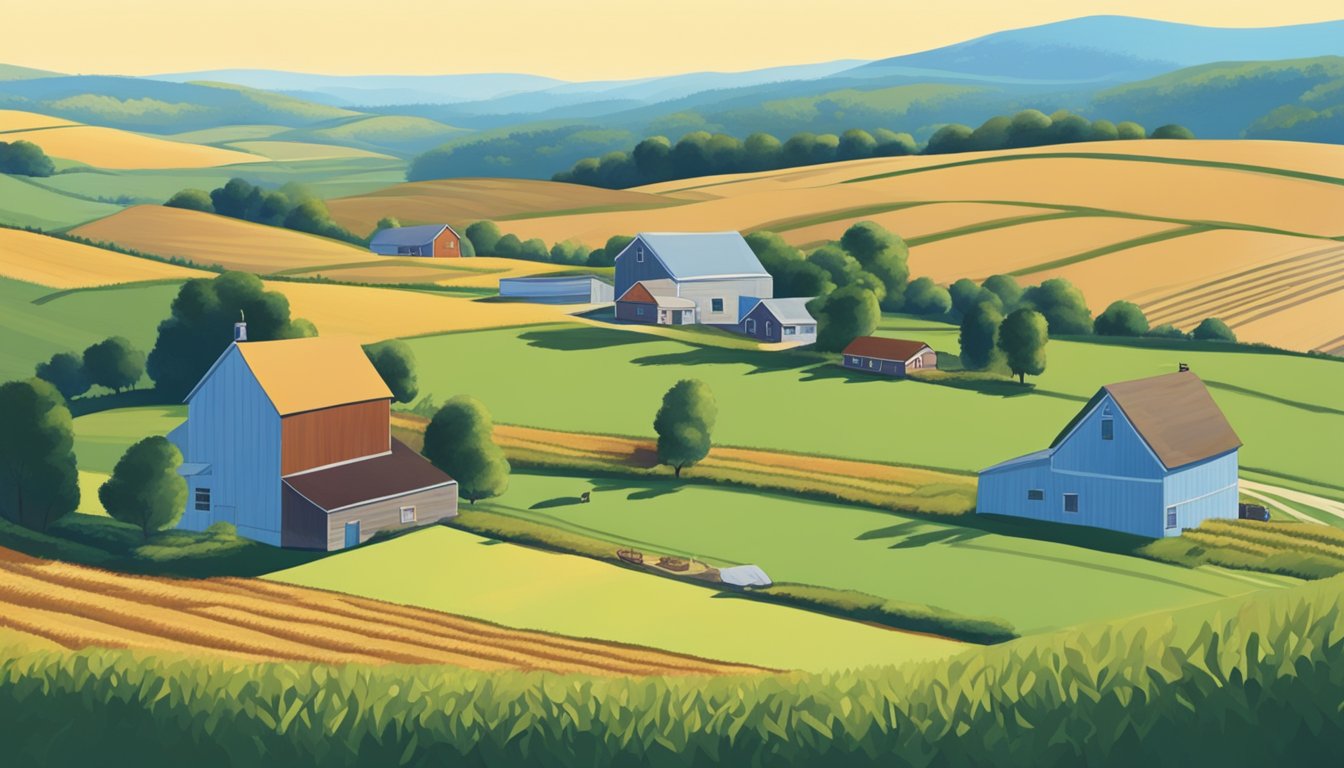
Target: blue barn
column 1149, row 457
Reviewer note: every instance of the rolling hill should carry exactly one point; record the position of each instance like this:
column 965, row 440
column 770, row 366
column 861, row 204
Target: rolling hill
column 1085, row 211
column 112, row 148
column 56, row 263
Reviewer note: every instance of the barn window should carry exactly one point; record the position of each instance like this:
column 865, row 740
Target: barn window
column 202, row 500
column 639, row 253
column 790, row 330
column 639, row 309
column 1070, row 502
column 1171, row 518
column 716, row 305
column 769, row 327
column 407, row 515
column 1108, row 429
column 1035, row 494
column 751, row 325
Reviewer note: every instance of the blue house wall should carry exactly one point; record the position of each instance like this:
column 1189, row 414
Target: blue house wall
column 235, row 429
column 760, row 316
column 1120, row 483
column 630, row 270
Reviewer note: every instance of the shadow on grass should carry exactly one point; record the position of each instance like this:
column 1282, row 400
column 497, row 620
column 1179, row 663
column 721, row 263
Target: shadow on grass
column 559, row 501
column 1099, row 539
column 576, row 339
column 1309, row 407
column 639, row 490
column 760, row 362
column 131, row 398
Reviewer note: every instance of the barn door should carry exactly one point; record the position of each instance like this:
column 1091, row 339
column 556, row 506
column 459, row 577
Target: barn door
column 352, row 534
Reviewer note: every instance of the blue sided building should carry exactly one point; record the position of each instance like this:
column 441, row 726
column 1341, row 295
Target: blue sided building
column 1149, row 457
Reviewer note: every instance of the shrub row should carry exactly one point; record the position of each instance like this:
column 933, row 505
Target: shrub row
column 1255, row 683
column 912, row 617
column 1304, row 551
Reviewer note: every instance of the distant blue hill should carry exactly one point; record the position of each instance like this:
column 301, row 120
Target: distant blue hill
column 1108, row 49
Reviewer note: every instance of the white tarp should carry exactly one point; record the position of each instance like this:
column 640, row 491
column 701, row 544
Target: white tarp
column 744, row 576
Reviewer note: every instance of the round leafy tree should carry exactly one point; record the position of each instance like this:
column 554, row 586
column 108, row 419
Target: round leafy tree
column 684, row 422
column 460, row 441
column 145, row 489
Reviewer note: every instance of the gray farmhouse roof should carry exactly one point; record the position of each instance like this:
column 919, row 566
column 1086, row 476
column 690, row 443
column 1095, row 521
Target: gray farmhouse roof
column 692, row 255
column 421, row 235
column 788, row 311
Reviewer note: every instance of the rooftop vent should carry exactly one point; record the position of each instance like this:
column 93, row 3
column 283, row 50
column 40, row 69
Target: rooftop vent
column 240, row 328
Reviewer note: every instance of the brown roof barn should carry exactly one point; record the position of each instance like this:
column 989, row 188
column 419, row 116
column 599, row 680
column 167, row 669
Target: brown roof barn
column 889, row 357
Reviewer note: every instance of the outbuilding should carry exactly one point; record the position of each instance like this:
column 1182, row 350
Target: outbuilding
column 777, row 320
column 888, row 357
column 1148, row 457
column 433, row 240
column 655, row 302
column 565, row 289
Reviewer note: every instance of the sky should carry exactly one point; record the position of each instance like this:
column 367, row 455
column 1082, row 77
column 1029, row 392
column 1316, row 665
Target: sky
column 566, row 39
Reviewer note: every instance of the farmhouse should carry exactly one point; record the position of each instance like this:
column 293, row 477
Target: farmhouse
column 708, row 272
column 568, row 289
column 290, row 442
column 434, row 240
column 777, row 320
column 889, row 357
column 1148, row 457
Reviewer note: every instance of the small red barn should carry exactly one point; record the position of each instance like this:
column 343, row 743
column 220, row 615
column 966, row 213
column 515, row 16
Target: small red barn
column 433, row 240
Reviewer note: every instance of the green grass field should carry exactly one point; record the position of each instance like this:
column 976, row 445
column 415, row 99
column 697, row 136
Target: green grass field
column 26, row 204
column 461, row 573
column 958, row 567
column 74, row 320
column 1285, row 408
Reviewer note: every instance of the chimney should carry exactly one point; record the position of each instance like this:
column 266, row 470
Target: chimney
column 240, row 328
column 1183, row 368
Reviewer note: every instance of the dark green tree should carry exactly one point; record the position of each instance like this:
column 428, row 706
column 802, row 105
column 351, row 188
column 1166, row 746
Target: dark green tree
column 653, row 159
column 114, row 363
column 485, row 236
column 534, row 249
column 965, row 294
column 1006, row 288
column 1213, row 329
column 1063, row 305
column 838, row 266
column 1022, row 338
column 925, row 297
column 892, row 144
column 793, row 274
column 395, row 363
column 1172, row 131
column 1130, row 131
column 948, row 139
column 1104, row 130
column 39, row 482
column 1121, row 318
column 684, row 422
column 1166, row 331
column 855, row 144
column 145, row 489
column 992, row 134
column 200, row 327
column 460, row 441
column 387, row 222
column 761, row 152
column 844, row 315
column 24, row 158
column 508, row 247
column 882, row 254
column 237, row 199
column 1029, row 128
column 468, row 247
column 192, row 200
column 979, row 335
column 65, row 372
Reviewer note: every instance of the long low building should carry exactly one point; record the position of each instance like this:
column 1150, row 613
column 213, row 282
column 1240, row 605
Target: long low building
column 560, row 289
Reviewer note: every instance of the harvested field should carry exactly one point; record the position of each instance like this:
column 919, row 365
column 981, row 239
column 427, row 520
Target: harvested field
column 1023, row 246
column 478, row 272
column 462, row 201
column 911, row 222
column 123, row 150
column 16, row 120
column 205, row 238
column 78, row 607
column 57, row 263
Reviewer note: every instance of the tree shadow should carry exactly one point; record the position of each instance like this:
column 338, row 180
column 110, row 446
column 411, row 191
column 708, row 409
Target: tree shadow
column 833, row 371
column 576, row 339
column 760, row 362
column 559, row 501
column 638, row 490
column 952, row 535
column 1084, row 536
column 996, row 387
column 891, row 531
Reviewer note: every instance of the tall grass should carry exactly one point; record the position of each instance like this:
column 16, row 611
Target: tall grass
column 1251, row 683
column 1302, row 550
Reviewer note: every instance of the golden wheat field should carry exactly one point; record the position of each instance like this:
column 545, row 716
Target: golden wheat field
column 959, row 210
column 289, row 151
column 462, row 201
column 368, row 314
column 57, row 263
column 478, row 272
column 206, row 239
column 77, row 607
column 112, row 148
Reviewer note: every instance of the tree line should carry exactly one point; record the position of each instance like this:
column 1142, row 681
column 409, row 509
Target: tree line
column 486, row 239
column 702, row 153
column 292, row 207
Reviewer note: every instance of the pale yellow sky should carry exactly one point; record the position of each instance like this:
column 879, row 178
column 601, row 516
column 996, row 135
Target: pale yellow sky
column 578, row 39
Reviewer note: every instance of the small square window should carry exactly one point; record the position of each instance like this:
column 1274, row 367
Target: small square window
column 1070, row 502
column 1171, row 518
column 408, row 514
column 202, row 500
column 639, row 310
column 716, row 305
column 1035, row 494
column 1108, row 429
column 790, row 330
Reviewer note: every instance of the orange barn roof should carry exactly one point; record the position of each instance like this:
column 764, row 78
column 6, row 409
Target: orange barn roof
column 307, row 374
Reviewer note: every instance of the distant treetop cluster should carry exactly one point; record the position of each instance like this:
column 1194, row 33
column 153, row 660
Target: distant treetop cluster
column 702, row 153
